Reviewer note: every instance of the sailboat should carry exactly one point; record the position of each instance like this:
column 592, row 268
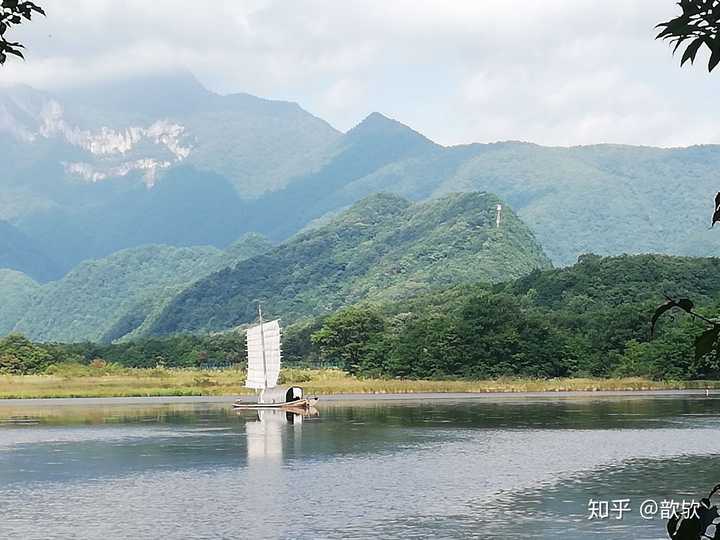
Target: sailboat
column 264, row 359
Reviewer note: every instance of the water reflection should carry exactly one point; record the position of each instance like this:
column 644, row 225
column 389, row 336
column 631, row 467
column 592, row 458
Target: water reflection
column 267, row 433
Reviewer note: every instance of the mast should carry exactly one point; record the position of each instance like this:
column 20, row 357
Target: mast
column 262, row 346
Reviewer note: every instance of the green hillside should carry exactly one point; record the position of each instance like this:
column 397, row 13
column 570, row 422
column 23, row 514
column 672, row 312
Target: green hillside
column 114, row 297
column 17, row 291
column 591, row 319
column 604, row 199
column 381, row 248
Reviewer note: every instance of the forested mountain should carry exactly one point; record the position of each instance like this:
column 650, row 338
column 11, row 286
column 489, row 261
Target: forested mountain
column 591, row 319
column 108, row 299
column 17, row 292
column 163, row 160
column 84, row 172
column 383, row 247
column 603, row 199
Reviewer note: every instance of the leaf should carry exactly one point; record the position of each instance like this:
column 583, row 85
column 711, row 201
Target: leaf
column 679, row 41
column 714, row 46
column 705, row 342
column 685, row 304
column 10, row 50
column 716, row 217
column 658, row 312
column 691, row 51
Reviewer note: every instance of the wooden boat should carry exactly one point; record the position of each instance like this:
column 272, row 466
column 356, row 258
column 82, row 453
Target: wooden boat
column 264, row 359
column 299, row 404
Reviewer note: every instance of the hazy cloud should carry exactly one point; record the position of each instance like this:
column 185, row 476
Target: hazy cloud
column 549, row 71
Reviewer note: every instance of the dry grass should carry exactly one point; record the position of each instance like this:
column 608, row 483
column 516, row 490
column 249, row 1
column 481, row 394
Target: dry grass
column 78, row 381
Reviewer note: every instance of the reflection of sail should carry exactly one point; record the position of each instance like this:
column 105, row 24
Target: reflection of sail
column 263, row 349
column 264, row 437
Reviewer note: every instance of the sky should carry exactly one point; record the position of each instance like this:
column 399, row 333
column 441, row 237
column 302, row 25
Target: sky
column 553, row 72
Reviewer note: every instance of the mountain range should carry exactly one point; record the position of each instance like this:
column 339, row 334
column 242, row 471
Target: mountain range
column 163, row 160
column 383, row 247
column 160, row 159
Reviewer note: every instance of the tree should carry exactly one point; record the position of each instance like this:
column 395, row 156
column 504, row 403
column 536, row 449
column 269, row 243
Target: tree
column 12, row 13
column 20, row 356
column 698, row 25
column 350, row 336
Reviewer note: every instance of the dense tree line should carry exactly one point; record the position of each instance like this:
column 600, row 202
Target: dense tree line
column 20, row 356
column 587, row 320
column 591, row 319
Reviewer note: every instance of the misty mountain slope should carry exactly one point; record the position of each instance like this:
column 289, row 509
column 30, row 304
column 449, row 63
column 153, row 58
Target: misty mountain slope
column 382, row 247
column 604, row 199
column 94, row 170
column 374, row 143
column 83, row 304
column 18, row 252
column 186, row 208
column 114, row 297
column 150, row 123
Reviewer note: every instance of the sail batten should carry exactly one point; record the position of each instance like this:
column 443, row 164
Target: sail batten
column 264, row 355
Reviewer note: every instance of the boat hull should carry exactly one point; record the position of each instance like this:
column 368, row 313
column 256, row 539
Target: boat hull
column 299, row 404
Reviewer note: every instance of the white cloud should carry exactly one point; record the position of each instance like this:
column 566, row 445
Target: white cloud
column 549, row 71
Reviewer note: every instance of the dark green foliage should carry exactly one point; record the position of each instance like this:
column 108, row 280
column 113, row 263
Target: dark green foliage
column 99, row 297
column 587, row 320
column 697, row 25
column 19, row 356
column 221, row 350
column 12, row 13
column 350, row 338
column 382, row 248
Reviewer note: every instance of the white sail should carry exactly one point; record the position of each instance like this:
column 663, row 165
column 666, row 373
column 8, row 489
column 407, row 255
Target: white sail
column 263, row 348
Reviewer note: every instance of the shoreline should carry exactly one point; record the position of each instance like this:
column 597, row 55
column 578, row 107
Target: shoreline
column 81, row 382
column 362, row 397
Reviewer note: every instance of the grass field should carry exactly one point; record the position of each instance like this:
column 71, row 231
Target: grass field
column 112, row 381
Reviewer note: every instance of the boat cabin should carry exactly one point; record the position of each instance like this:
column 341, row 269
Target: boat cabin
column 280, row 394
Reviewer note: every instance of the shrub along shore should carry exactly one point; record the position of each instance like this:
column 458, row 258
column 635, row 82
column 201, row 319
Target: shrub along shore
column 74, row 380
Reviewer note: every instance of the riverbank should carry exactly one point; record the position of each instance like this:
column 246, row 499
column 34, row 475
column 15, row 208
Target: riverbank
column 89, row 383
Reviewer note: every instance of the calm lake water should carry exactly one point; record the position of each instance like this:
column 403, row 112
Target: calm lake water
column 469, row 468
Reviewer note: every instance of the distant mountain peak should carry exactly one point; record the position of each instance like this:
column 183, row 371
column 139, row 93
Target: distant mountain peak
column 377, row 124
column 374, row 209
